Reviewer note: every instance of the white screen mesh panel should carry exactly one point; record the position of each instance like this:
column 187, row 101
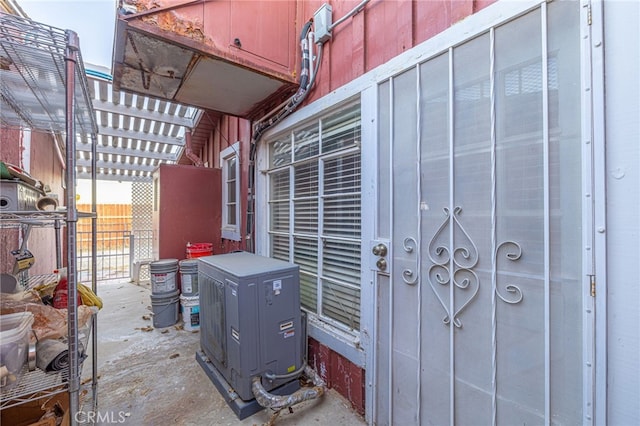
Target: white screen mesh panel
column 487, row 296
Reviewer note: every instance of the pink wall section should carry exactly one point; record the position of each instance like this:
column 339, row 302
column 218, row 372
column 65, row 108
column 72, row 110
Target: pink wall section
column 382, row 31
column 370, row 38
column 229, row 131
column 186, row 209
column 10, row 152
column 44, row 166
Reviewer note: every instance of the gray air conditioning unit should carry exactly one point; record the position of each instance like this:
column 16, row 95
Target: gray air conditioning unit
column 250, row 320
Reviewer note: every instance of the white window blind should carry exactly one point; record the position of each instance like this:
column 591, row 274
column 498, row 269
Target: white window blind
column 314, row 212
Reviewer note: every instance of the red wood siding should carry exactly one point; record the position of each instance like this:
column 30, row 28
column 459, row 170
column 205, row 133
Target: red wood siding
column 227, row 131
column 383, row 30
column 338, row 373
column 46, row 167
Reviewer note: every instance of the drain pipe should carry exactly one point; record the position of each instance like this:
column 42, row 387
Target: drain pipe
column 189, row 152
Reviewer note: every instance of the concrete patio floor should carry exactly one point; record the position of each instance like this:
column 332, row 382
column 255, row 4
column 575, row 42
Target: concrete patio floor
column 152, row 377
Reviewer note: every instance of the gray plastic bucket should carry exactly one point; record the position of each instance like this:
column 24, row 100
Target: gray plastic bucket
column 163, row 276
column 189, row 277
column 165, row 309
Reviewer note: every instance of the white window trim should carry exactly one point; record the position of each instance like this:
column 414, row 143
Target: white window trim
column 230, row 232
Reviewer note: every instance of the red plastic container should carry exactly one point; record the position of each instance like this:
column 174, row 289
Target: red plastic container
column 60, row 294
column 199, row 249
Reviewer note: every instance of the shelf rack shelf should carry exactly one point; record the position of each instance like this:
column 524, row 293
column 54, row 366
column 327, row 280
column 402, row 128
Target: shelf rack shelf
column 38, row 384
column 38, row 218
column 43, row 87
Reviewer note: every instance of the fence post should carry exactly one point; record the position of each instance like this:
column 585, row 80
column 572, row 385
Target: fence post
column 132, row 256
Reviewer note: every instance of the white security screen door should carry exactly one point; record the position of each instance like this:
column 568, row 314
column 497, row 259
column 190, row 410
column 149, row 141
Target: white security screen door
column 481, row 319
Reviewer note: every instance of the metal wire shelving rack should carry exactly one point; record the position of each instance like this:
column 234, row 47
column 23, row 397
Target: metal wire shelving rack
column 43, row 87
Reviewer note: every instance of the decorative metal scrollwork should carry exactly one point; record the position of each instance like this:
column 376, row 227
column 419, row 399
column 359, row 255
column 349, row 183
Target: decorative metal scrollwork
column 408, row 276
column 452, row 274
column 512, row 255
column 463, row 260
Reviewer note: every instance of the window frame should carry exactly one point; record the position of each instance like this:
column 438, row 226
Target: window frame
column 320, row 159
column 228, row 230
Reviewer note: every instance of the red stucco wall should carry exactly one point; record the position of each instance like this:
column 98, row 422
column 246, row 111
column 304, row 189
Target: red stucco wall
column 185, row 209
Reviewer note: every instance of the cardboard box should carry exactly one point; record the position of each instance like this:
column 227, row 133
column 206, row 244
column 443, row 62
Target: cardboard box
column 30, row 413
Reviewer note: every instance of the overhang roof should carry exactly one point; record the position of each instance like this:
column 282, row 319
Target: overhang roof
column 135, row 133
column 186, row 52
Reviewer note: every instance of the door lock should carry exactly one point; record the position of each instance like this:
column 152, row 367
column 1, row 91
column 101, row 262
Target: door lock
column 379, row 256
column 380, row 250
column 381, row 264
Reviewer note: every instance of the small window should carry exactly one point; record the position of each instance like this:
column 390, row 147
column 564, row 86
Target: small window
column 230, row 164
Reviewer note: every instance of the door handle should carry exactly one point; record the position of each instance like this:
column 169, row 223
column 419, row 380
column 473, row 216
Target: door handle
column 379, row 255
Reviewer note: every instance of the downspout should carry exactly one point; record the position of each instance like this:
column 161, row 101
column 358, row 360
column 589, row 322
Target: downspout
column 189, row 152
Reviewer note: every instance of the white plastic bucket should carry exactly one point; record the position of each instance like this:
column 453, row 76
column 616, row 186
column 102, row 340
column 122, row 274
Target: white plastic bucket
column 190, row 312
column 15, row 332
column 163, row 276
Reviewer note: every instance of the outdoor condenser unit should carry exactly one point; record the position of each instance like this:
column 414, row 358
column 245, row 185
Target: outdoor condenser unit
column 250, row 319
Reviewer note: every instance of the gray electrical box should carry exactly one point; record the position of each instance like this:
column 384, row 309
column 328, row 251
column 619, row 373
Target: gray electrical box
column 322, row 23
column 250, row 320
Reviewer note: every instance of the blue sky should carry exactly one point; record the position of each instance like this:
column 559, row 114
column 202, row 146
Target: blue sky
column 92, row 20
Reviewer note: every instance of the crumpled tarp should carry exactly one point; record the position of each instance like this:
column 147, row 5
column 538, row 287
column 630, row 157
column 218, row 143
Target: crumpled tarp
column 48, row 322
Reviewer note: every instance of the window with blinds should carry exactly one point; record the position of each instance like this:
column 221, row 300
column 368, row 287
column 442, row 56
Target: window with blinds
column 314, row 212
column 230, row 192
